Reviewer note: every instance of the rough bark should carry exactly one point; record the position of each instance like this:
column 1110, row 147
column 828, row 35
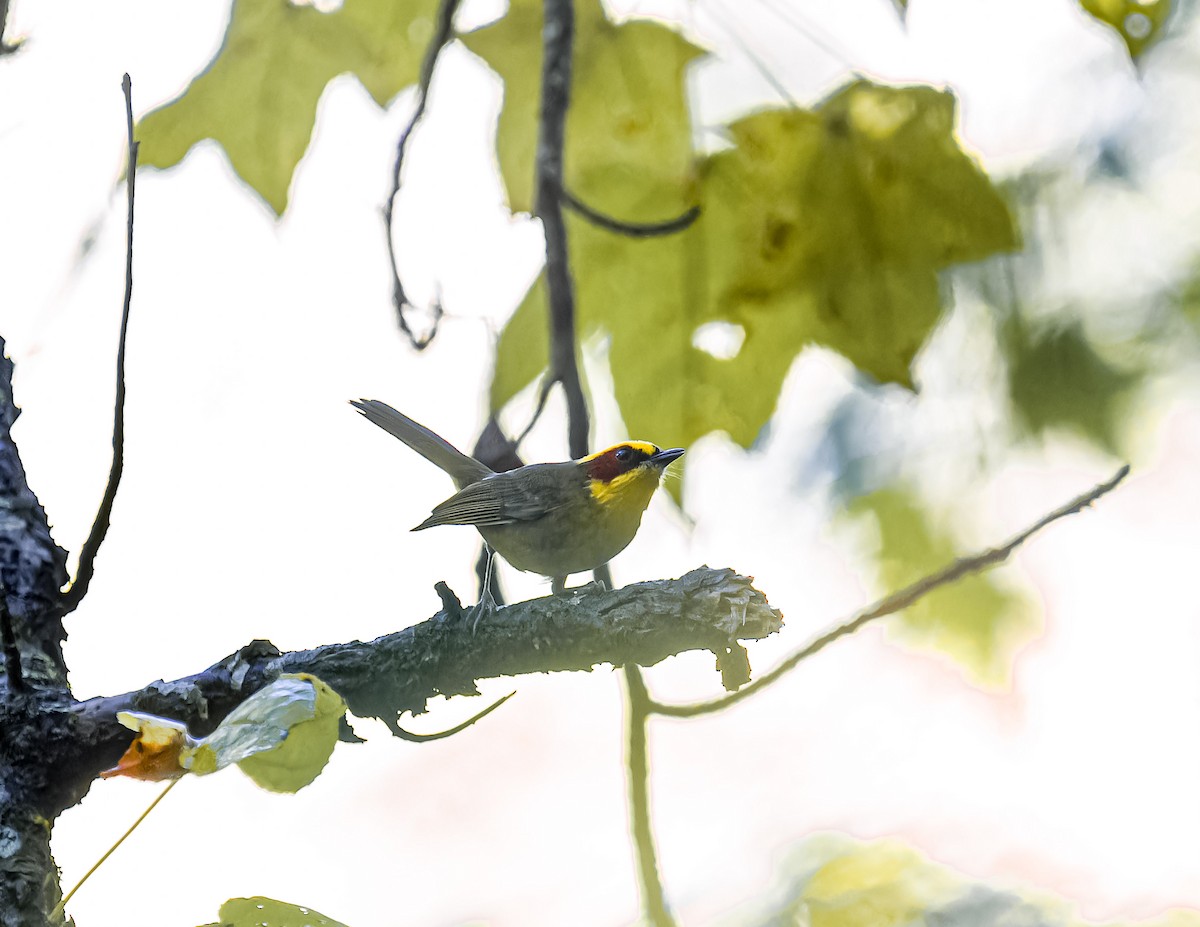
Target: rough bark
column 35, row 715
column 53, row 747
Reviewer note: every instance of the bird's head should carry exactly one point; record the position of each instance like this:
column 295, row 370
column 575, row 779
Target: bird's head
column 627, row 474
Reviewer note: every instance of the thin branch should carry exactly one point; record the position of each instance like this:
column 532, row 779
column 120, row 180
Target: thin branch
column 897, row 601
column 543, row 395
column 425, row 738
column 558, row 33
column 74, row 594
column 12, row 656
column 654, row 901
column 629, row 229
column 443, row 33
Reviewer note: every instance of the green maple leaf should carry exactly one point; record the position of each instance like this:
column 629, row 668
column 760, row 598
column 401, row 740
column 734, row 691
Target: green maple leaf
column 825, row 227
column 1138, row 22
column 628, row 137
column 258, row 97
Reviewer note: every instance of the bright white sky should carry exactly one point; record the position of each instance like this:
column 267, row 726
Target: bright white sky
column 256, row 505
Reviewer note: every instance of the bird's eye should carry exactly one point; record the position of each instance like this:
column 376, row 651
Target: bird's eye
column 624, row 454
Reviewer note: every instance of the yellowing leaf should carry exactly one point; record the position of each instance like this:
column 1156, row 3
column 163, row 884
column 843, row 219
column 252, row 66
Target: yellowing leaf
column 824, row 227
column 282, row 736
column 976, row 621
column 629, row 139
column 258, row 97
column 157, row 750
column 309, row 744
column 267, row 912
column 1137, row 22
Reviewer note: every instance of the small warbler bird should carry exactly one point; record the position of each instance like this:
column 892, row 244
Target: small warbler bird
column 549, row 518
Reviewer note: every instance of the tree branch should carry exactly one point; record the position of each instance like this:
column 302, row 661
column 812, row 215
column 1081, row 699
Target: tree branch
column 558, row 33
column 32, row 566
column 654, row 901
column 897, row 601
column 442, row 34
column 12, row 656
column 400, row 732
column 645, row 623
column 87, row 555
column 630, row 229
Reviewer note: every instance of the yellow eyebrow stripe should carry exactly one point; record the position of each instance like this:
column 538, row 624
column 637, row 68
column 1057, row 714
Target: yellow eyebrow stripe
column 644, row 446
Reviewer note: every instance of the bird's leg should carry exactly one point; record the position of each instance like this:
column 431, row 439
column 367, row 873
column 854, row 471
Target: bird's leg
column 486, row 603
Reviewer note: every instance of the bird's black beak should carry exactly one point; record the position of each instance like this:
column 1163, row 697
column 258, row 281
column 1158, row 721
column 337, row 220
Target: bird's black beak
column 662, row 458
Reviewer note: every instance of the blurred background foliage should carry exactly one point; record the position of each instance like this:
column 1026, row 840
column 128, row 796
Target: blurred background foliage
column 834, row 881
column 980, row 315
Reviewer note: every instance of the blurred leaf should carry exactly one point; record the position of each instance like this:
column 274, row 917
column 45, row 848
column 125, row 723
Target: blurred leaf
column 824, row 227
column 884, row 884
column 629, row 138
column 258, row 97
column 1137, row 22
column 840, row 882
column 267, row 912
column 1057, row 380
column 282, row 736
column 977, row 622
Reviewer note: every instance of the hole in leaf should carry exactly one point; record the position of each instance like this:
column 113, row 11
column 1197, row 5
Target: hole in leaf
column 1138, row 25
column 723, row 340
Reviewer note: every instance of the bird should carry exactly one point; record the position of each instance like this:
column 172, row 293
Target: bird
column 549, row 518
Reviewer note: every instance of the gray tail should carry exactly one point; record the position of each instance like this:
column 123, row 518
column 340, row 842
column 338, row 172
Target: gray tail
column 437, row 450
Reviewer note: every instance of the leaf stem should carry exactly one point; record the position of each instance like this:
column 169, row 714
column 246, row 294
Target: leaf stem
column 61, row 906
column 654, row 901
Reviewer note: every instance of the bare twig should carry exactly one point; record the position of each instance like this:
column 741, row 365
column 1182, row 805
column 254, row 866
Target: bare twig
column 12, row 656
column 654, row 902
column 629, row 229
column 896, row 602
column 558, row 33
column 424, row 738
column 543, row 395
column 442, row 34
column 74, row 594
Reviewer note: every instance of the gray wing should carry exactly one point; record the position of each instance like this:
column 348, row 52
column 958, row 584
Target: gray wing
column 503, row 499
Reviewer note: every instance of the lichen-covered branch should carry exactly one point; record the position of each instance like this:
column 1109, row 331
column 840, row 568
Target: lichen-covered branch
column 32, row 570
column 644, row 623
